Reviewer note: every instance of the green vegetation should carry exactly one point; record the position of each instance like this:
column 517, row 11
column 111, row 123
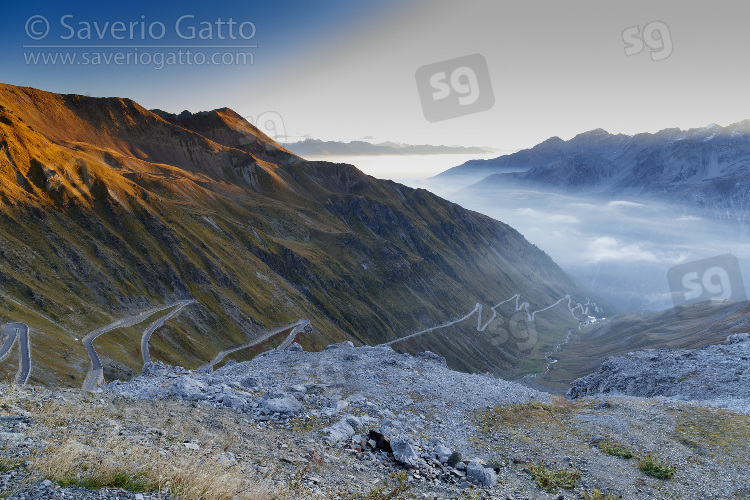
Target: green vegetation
column 598, row 495
column 550, row 480
column 648, row 464
column 137, row 483
column 9, row 464
column 616, row 450
column 656, row 468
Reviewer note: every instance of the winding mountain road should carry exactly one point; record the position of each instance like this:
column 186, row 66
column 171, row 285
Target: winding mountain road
column 295, row 328
column 155, row 326
column 523, row 306
column 18, row 331
column 95, row 375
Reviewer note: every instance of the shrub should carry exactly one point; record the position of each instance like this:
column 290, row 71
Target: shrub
column 549, row 480
column 616, row 450
column 656, row 468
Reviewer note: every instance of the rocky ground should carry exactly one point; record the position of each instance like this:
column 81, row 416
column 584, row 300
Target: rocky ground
column 717, row 375
column 360, row 423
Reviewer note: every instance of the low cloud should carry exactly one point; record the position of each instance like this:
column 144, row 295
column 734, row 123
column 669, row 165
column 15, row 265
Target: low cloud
column 623, row 203
column 547, row 217
column 607, row 249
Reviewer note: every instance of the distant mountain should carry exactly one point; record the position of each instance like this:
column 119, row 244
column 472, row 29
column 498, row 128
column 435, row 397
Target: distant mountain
column 706, row 167
column 314, row 147
column 107, row 208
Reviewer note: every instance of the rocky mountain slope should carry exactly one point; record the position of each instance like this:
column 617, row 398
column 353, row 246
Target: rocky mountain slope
column 706, row 167
column 689, row 327
column 718, row 375
column 108, row 209
column 361, row 422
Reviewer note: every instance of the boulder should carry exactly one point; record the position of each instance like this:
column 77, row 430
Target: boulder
column 227, row 459
column 295, row 347
column 288, row 405
column 443, row 453
column 737, row 338
column 341, row 430
column 403, row 452
column 454, row 459
column 11, row 439
column 154, row 368
column 381, row 442
column 336, row 407
column 483, row 474
column 249, row 382
column 188, row 389
column 431, row 356
column 347, row 343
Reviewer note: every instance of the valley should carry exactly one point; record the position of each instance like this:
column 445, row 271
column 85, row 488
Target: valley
column 586, row 348
column 109, row 209
column 374, row 250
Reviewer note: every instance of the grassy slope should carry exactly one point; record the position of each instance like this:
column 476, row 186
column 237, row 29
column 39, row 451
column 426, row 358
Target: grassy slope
column 106, row 209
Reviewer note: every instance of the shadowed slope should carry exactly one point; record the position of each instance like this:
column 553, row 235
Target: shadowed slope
column 107, row 208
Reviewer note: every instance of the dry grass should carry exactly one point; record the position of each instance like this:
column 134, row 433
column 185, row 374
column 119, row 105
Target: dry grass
column 118, row 463
column 159, row 463
column 719, row 432
column 525, row 415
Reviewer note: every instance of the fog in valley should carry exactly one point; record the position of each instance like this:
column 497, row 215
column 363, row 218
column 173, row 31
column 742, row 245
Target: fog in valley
column 619, row 248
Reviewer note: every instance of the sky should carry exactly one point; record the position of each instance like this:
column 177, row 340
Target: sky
column 495, row 73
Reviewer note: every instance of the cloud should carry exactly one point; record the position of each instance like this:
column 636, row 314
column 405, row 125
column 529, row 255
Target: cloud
column 546, row 217
column 607, row 248
column 623, row 203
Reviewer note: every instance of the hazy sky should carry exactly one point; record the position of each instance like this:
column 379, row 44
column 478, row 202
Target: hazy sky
column 345, row 69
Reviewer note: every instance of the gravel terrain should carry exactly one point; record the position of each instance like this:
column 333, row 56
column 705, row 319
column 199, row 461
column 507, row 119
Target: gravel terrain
column 347, row 422
column 375, row 383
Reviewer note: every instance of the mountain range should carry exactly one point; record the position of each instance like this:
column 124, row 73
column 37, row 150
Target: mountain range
column 706, row 168
column 315, row 147
column 107, row 209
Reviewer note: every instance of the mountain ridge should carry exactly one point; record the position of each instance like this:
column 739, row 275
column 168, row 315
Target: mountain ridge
column 316, row 147
column 108, row 208
column 699, row 164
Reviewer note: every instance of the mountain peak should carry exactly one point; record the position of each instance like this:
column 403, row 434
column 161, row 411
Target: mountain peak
column 595, row 133
column 226, row 126
column 552, row 141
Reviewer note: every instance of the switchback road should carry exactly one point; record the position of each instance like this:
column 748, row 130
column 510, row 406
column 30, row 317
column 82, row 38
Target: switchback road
column 155, row 326
column 20, row 332
column 524, row 306
column 95, row 375
column 295, row 328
